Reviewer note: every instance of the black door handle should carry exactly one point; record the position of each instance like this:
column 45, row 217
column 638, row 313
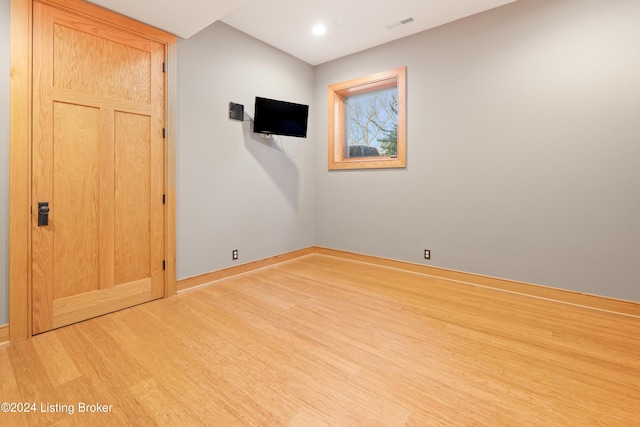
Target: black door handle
column 43, row 214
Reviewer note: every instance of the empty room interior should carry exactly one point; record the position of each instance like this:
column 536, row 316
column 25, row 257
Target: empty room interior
column 339, row 213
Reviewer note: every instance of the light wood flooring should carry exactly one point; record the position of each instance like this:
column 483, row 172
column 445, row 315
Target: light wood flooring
column 324, row 341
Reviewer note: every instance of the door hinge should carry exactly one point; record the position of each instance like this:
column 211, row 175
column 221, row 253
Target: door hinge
column 164, row 265
column 164, row 199
column 164, row 132
column 164, row 67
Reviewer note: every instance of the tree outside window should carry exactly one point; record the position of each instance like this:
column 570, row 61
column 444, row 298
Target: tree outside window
column 370, row 120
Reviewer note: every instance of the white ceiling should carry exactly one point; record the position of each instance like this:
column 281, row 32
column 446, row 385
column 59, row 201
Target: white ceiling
column 352, row 25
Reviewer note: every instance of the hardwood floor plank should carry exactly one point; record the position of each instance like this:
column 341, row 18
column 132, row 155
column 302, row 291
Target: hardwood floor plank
column 323, row 341
column 60, row 369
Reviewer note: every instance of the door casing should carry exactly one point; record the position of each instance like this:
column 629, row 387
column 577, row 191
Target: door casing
column 20, row 203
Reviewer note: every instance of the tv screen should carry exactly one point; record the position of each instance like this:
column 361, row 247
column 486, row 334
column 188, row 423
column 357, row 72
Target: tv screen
column 280, row 118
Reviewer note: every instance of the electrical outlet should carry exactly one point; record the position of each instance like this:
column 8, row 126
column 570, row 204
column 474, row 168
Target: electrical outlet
column 427, row 254
column 234, row 254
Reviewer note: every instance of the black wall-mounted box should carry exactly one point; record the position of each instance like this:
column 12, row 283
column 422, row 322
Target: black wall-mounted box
column 236, row 111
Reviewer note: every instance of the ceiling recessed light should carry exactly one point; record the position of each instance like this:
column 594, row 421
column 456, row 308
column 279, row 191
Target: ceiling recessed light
column 319, row 29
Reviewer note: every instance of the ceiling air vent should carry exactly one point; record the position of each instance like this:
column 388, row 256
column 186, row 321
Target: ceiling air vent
column 398, row 24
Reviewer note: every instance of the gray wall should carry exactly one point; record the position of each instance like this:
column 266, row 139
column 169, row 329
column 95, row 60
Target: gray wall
column 523, row 149
column 4, row 160
column 236, row 190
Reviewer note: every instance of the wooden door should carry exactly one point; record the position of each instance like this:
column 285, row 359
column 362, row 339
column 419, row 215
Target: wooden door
column 98, row 161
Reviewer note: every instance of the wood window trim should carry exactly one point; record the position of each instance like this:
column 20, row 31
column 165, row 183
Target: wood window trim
column 337, row 94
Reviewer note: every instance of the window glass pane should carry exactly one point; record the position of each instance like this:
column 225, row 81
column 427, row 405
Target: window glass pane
column 371, row 123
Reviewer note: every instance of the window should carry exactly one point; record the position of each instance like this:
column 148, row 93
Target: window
column 367, row 122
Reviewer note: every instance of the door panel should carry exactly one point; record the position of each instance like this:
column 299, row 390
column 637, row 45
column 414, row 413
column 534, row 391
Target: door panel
column 132, row 198
column 75, row 199
column 116, row 67
column 98, row 159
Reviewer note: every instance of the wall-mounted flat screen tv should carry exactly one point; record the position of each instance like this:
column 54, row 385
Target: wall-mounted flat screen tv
column 280, row 118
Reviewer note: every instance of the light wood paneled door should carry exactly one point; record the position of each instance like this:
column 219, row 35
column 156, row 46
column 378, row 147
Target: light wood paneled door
column 98, row 161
